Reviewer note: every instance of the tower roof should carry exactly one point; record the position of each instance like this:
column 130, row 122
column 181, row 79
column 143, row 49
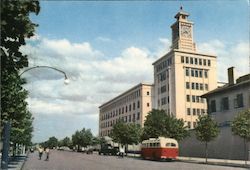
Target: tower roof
column 180, row 13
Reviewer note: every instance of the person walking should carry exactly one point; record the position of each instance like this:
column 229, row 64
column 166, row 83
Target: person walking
column 47, row 154
column 40, row 151
column 121, row 151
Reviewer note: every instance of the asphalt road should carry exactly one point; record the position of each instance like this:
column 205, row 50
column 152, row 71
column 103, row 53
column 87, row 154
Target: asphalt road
column 65, row 160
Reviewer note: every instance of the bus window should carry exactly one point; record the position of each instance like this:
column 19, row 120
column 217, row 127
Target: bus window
column 151, row 145
column 168, row 144
column 173, row 144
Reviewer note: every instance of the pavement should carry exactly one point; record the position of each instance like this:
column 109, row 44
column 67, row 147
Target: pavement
column 17, row 163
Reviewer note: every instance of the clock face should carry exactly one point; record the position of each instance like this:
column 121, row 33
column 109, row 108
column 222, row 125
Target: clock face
column 186, row 31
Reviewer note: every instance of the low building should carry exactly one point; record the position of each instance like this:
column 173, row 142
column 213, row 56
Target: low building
column 223, row 105
column 131, row 106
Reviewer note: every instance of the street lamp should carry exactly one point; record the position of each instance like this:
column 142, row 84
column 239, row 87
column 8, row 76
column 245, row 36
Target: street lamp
column 66, row 80
column 7, row 127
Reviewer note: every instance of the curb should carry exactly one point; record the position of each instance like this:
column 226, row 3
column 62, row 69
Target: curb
column 216, row 163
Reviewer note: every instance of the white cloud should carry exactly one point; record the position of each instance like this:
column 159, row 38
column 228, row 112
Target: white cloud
column 94, row 79
column 228, row 55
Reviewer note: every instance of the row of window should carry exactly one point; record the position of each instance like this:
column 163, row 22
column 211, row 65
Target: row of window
column 164, row 64
column 195, row 99
column 195, row 61
column 196, row 86
column 120, row 111
column 157, row 144
column 126, row 99
column 196, row 72
column 129, row 118
column 196, row 111
column 224, row 103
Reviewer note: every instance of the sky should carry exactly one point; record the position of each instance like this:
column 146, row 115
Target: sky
column 108, row 47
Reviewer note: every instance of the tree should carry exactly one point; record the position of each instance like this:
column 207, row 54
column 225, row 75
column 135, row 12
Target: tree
column 241, row 127
column 134, row 133
column 82, row 138
column 158, row 123
column 120, row 133
column 15, row 27
column 52, row 142
column 66, row 142
column 206, row 130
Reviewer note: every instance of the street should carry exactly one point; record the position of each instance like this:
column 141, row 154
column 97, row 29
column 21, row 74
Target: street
column 65, row 160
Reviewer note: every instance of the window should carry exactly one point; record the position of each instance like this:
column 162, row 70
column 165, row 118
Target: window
column 163, row 101
column 188, row 111
column 138, row 104
column 130, row 107
column 194, row 111
column 187, row 60
column 200, row 61
column 206, row 86
column 194, row 123
column 196, row 73
column 224, row 103
column 201, row 86
column 163, row 89
column 193, row 98
column 134, row 117
column 129, row 118
column 191, row 60
column 182, row 59
column 126, row 109
column 133, row 106
column 148, row 104
column 138, row 116
column 208, row 62
column 192, row 72
column 213, row 106
column 238, row 101
column 187, row 71
column 148, row 93
column 193, row 86
column 195, row 61
column 197, row 99
column 200, row 73
column 189, row 125
column 204, row 62
column 188, row 98
column 205, row 74
column 197, row 86
column 187, row 85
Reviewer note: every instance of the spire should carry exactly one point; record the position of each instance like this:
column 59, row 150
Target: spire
column 181, row 14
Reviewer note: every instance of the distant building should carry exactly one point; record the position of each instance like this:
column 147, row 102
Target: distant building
column 183, row 75
column 131, row 106
column 223, row 105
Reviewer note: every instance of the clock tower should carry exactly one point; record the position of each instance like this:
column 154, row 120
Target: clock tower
column 182, row 32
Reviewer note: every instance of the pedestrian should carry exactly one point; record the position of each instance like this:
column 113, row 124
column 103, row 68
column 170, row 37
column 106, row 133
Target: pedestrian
column 121, row 152
column 47, row 154
column 40, row 151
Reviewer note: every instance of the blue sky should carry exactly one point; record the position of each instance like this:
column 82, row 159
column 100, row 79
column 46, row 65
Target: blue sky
column 113, row 44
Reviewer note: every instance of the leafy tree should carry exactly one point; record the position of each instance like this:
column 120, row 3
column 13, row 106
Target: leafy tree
column 15, row 27
column 52, row 142
column 158, row 123
column 120, row 133
column 135, row 132
column 66, row 142
column 241, row 127
column 206, row 130
column 82, row 138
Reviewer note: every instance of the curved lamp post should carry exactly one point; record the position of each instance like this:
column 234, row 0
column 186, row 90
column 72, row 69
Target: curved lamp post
column 7, row 127
column 66, row 80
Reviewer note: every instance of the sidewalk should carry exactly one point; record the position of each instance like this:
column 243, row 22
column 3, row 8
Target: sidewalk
column 17, row 162
column 223, row 162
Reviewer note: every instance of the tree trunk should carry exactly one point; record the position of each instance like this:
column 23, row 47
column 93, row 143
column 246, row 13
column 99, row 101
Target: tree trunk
column 206, row 153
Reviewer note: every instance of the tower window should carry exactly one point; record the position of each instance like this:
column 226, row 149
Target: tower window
column 187, row 60
column 182, row 59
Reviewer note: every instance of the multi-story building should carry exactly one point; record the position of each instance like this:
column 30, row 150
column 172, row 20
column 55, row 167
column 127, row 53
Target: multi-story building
column 183, row 75
column 131, row 106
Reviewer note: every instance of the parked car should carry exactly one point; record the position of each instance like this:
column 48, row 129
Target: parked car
column 108, row 149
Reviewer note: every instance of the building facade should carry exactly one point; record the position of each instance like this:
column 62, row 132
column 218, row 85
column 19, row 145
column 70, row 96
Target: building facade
column 131, row 106
column 183, row 75
column 224, row 103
